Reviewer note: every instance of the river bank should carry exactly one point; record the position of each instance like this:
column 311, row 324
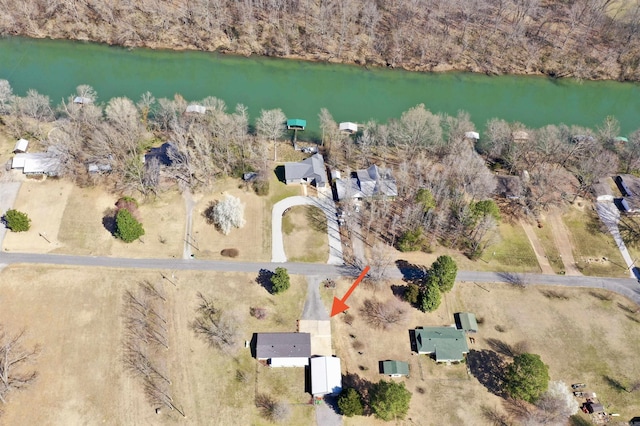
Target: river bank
column 585, row 41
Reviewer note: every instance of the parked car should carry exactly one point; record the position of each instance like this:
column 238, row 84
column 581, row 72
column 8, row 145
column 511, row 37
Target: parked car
column 622, row 186
column 578, row 385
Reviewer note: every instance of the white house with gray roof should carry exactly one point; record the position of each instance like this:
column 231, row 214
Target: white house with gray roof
column 310, row 170
column 367, row 183
column 284, row 349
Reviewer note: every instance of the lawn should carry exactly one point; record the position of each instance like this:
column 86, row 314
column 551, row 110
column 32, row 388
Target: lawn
column 75, row 315
column 583, row 335
column 595, row 251
column 305, row 234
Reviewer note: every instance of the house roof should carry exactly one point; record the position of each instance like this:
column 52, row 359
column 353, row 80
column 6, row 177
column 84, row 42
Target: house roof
column 466, row 321
column 37, row 163
column 196, row 108
column 395, row 367
column 448, row 343
column 21, row 145
column 472, row 135
column 296, row 123
column 326, row 375
column 370, row 182
column 509, row 186
column 309, row 168
column 283, row 345
column 520, row 135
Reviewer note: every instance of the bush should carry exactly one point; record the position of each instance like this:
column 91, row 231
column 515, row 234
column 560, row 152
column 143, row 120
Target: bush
column 413, row 240
column 258, row 313
column 128, row 203
column 350, row 402
column 527, row 378
column 280, row 281
column 226, row 214
column 390, row 400
column 261, row 187
column 128, row 229
column 230, row 252
column 412, row 293
column 17, row 221
column 430, row 298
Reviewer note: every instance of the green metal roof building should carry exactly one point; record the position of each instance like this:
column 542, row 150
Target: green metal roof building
column 296, row 124
column 466, row 322
column 447, row 344
column 395, row 368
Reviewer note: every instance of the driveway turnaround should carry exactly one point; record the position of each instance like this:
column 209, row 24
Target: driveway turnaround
column 324, row 203
column 610, row 215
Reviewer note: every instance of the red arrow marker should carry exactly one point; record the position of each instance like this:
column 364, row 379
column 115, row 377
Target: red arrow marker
column 339, row 305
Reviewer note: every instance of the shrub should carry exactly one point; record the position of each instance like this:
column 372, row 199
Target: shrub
column 17, row 221
column 258, row 313
column 280, row 281
column 230, row 252
column 128, row 228
column 128, row 203
column 526, row 378
column 412, row 240
column 261, row 187
column 350, row 402
column 412, row 293
column 430, row 298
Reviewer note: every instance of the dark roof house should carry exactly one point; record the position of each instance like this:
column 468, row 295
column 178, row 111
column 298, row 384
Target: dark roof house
column 508, row 186
column 367, row 183
column 447, row 344
column 284, row 349
column 310, row 170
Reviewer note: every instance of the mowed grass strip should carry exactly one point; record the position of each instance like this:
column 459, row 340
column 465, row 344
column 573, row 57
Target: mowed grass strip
column 591, row 245
column 305, row 234
column 545, row 236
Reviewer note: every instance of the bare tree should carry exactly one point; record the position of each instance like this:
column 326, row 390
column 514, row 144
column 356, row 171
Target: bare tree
column 380, row 259
column 384, row 314
column 6, row 97
column 226, row 214
column 271, row 126
column 14, row 359
column 219, row 329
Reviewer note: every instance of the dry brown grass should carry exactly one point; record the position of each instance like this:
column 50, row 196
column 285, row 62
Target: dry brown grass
column 305, row 240
column 74, row 314
column 583, row 338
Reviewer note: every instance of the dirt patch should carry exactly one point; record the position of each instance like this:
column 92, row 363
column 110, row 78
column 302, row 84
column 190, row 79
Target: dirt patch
column 568, row 327
column 74, row 314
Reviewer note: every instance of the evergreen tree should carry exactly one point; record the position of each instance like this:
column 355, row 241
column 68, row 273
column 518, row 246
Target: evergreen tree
column 128, row 228
column 17, row 221
column 527, row 377
column 443, row 273
column 430, row 298
column 390, row 400
column 280, row 281
column 350, row 402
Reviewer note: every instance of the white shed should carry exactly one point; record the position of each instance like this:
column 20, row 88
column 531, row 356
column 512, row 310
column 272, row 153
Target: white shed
column 472, row 135
column 21, row 146
column 82, row 100
column 348, row 127
column 326, row 376
column 197, row 109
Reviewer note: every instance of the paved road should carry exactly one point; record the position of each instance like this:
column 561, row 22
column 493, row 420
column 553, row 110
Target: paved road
column 624, row 286
column 326, row 204
column 313, row 307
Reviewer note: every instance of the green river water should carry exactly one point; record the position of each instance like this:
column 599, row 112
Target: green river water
column 300, row 88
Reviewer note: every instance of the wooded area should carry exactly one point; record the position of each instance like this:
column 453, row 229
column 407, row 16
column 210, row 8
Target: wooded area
column 587, row 39
column 446, row 180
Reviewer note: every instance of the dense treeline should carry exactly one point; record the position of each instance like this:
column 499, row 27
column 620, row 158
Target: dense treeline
column 446, row 181
column 591, row 39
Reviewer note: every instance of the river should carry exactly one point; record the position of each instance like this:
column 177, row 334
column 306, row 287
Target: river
column 300, row 89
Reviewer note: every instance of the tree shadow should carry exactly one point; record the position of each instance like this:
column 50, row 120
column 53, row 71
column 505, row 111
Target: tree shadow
column 363, row 386
column 412, row 340
column 600, row 296
column 398, row 290
column 264, row 279
column 513, row 278
column 411, row 273
column 501, row 347
column 627, row 309
column 615, row 384
column 488, row 367
column 109, row 220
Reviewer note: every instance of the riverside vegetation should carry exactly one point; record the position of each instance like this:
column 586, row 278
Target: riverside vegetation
column 586, row 39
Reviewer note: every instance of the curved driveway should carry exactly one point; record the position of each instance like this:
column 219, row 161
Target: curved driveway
column 325, row 204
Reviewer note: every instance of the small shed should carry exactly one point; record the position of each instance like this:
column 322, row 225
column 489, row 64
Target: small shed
column 621, row 139
column 594, row 407
column 21, row 146
column 326, row 376
column 395, row 368
column 466, row 322
column 296, row 124
column 197, row 109
column 472, row 135
column 82, row 100
column 96, row 168
column 348, row 127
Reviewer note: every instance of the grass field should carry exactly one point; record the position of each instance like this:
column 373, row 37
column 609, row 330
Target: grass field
column 545, row 235
column 305, row 234
column 75, row 315
column 591, row 246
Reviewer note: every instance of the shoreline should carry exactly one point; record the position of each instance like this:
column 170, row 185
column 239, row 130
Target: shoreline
column 318, row 58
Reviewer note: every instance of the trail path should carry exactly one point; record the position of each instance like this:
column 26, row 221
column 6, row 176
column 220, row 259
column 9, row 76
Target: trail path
column 543, row 261
column 561, row 237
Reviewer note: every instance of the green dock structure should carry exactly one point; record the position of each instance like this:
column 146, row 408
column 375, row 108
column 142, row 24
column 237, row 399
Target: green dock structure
column 296, row 124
